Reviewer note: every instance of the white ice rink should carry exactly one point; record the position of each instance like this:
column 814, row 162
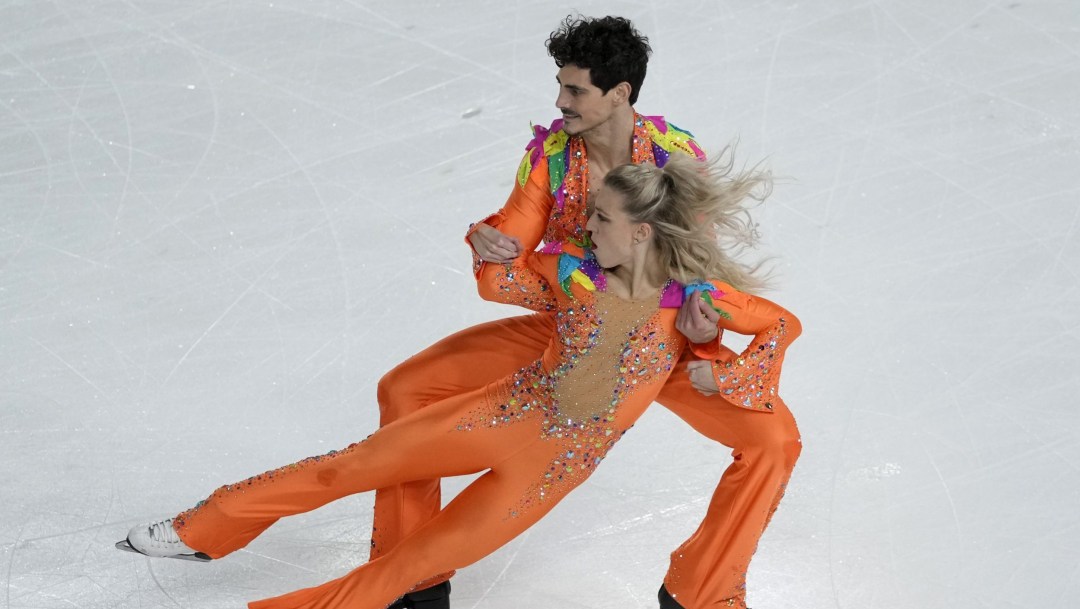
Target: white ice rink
column 222, row 221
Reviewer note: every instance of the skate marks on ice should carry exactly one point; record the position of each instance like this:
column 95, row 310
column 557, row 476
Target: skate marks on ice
column 221, row 222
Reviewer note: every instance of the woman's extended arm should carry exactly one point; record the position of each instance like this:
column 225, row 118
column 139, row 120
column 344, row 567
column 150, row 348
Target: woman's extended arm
column 751, row 378
column 521, row 282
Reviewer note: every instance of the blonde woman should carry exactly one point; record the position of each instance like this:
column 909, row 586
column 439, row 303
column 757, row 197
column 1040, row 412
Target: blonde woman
column 539, row 433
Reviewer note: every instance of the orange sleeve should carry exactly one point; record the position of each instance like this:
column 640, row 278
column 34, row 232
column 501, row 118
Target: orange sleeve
column 750, row 379
column 525, row 282
column 525, row 214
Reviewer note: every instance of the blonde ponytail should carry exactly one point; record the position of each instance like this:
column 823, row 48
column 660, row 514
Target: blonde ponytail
column 699, row 214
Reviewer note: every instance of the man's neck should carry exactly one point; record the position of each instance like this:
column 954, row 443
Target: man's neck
column 611, row 144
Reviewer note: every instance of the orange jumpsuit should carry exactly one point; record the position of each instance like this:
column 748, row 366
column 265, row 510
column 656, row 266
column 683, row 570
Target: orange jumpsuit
column 548, row 203
column 536, row 434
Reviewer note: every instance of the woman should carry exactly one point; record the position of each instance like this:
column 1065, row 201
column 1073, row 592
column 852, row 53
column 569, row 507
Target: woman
column 543, row 430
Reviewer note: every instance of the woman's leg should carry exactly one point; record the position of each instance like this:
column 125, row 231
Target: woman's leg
column 459, row 363
column 710, row 566
column 482, row 518
column 426, row 445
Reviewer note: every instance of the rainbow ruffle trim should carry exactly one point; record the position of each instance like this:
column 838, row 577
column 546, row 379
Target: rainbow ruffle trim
column 577, row 264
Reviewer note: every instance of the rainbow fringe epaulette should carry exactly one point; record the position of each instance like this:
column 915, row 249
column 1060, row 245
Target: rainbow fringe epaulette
column 550, row 142
column 676, row 293
column 668, row 138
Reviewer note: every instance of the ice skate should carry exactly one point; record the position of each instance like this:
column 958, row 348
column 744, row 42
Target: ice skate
column 666, row 600
column 159, row 539
column 435, row 597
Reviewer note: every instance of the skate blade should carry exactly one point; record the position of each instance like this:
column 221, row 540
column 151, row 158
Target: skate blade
column 196, row 557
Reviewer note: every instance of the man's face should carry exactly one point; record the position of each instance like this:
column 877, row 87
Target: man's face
column 583, row 105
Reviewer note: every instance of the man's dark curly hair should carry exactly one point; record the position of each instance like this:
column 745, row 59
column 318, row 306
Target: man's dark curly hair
column 609, row 47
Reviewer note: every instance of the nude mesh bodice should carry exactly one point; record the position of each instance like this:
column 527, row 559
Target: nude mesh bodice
column 588, row 389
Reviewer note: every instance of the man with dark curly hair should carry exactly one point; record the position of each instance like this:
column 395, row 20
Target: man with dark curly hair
column 476, row 400
column 602, row 64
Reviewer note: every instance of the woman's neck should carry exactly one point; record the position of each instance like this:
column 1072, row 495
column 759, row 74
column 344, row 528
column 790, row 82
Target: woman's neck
column 636, row 281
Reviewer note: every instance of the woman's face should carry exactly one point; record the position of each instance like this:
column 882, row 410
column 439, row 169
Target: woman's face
column 611, row 229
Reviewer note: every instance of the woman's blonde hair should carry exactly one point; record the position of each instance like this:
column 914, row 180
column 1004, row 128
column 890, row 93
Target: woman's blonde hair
column 699, row 214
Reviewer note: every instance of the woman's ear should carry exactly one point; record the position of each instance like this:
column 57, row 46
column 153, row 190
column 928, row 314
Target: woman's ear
column 643, row 233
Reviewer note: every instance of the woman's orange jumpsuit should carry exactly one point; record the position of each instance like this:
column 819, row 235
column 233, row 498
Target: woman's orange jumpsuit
column 548, row 203
column 537, row 434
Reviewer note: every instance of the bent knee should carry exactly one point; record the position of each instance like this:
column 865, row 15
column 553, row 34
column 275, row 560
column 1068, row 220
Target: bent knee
column 397, row 394
column 778, row 443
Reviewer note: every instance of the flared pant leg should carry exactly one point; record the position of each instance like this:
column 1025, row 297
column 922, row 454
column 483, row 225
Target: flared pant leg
column 709, row 569
column 458, row 363
column 488, row 513
column 492, row 510
column 426, row 445
column 504, row 501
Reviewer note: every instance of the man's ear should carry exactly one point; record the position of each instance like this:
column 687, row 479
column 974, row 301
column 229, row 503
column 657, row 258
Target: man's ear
column 621, row 93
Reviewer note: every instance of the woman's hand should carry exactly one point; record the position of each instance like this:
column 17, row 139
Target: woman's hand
column 697, row 320
column 494, row 246
column 701, row 377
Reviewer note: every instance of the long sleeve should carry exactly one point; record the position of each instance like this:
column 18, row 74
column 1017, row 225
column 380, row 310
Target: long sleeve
column 750, row 379
column 524, row 215
column 525, row 282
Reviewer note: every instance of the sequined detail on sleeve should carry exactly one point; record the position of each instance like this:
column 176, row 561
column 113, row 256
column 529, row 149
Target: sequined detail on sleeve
column 477, row 263
column 517, row 284
column 750, row 380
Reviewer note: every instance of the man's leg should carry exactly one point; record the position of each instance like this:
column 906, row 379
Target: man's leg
column 462, row 361
column 709, row 568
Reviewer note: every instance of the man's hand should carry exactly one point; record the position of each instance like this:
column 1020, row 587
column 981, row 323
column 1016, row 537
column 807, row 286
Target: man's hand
column 701, row 377
column 493, row 246
column 697, row 320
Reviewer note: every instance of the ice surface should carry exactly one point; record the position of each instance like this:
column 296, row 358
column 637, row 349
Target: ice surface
column 221, row 222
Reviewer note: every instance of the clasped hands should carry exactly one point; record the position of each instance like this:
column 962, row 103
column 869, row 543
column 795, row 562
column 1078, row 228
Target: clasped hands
column 696, row 319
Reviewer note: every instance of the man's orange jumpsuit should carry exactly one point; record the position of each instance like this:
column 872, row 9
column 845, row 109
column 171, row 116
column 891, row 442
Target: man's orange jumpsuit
column 548, row 203
column 536, row 434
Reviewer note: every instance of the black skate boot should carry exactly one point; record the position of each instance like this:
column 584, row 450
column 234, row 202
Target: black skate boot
column 666, row 600
column 435, row 597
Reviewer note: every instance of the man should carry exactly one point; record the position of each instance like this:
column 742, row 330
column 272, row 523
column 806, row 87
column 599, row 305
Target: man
column 602, row 64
